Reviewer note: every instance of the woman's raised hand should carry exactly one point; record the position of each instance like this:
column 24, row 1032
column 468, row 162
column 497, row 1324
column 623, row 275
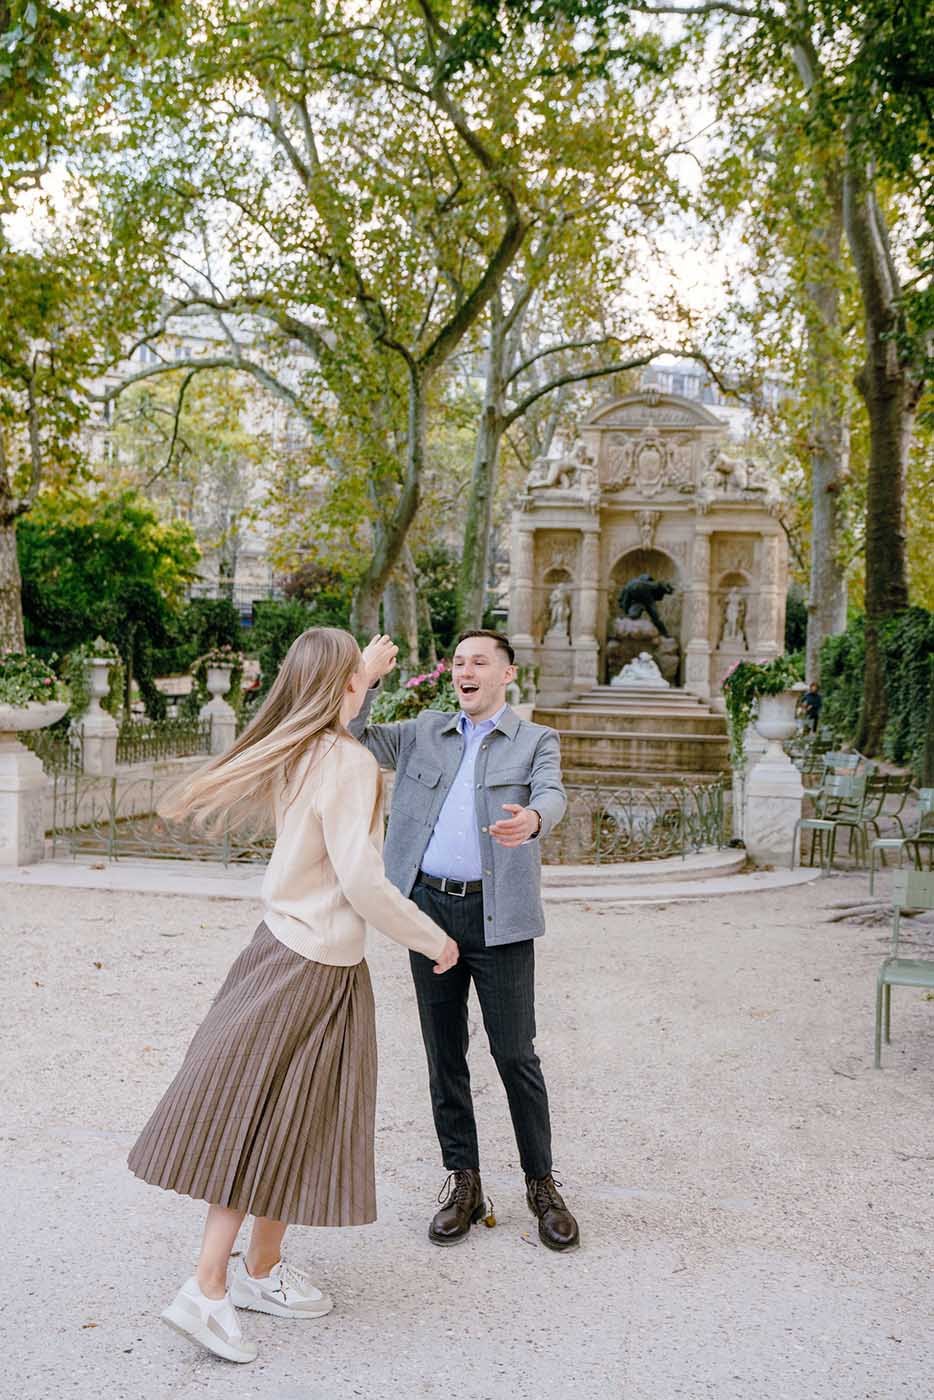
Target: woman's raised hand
column 448, row 957
column 379, row 658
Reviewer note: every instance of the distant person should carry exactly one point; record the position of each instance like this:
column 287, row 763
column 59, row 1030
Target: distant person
column 272, row 1112
column 474, row 794
column 811, row 702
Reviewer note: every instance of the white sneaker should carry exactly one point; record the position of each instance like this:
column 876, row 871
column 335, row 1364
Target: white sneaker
column 284, row 1292
column 211, row 1322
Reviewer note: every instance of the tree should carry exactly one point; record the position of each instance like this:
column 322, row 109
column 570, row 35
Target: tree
column 847, row 59
column 371, row 190
column 103, row 565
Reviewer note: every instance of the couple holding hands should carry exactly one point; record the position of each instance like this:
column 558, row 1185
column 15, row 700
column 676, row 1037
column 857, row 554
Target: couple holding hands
column 272, row 1111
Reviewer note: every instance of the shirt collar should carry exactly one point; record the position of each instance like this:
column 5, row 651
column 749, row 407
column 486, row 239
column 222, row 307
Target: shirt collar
column 465, row 724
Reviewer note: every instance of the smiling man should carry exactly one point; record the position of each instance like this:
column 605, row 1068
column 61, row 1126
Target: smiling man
column 473, row 795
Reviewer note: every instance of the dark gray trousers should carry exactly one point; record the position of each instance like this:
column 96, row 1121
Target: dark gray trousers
column 505, row 981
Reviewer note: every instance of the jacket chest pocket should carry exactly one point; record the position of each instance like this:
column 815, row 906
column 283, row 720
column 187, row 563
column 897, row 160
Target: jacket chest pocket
column 416, row 787
column 509, row 785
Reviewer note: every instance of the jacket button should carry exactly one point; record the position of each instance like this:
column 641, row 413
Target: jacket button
column 488, row 872
column 489, row 918
column 483, row 828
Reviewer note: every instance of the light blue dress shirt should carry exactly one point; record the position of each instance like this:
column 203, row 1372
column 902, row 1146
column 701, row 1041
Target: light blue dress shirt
column 454, row 848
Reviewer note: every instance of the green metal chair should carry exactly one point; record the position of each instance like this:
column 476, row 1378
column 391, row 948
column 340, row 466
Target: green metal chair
column 914, row 889
column 924, row 828
column 835, row 762
column 839, row 803
column 900, row 788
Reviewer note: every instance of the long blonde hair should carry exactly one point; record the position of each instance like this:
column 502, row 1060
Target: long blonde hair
column 303, row 704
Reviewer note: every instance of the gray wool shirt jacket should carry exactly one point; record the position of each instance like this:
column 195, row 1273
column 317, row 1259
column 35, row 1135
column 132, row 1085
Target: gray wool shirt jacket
column 518, row 762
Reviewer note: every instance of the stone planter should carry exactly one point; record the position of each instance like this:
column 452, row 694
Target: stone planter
column 218, row 680
column 97, row 728
column 775, row 722
column 22, row 782
column 223, row 720
column 773, row 791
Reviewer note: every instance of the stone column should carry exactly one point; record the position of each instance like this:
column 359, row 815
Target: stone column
column 584, row 628
column 520, row 607
column 697, row 653
column 221, row 715
column 22, row 788
column 767, row 642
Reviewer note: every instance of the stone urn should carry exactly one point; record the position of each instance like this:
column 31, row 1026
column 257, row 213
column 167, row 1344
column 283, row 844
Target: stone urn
column 23, row 782
column 773, row 787
column 98, row 685
column 222, row 719
column 97, row 728
column 217, row 680
column 16, row 719
column 775, row 722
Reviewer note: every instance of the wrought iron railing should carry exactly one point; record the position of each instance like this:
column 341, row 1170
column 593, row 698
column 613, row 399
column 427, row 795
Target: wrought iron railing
column 145, row 741
column 113, row 818
column 58, row 749
column 628, row 823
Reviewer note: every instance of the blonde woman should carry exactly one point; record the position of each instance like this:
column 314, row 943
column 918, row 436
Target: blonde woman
column 272, row 1112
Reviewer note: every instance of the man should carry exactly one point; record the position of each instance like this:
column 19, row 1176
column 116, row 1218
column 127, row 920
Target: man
column 476, row 872
column 811, row 702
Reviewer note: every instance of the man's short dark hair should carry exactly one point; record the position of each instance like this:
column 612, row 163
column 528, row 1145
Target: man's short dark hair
column 502, row 642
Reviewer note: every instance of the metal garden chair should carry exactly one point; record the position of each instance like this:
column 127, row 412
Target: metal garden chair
column 914, row 889
column 839, row 803
column 922, row 834
column 834, row 763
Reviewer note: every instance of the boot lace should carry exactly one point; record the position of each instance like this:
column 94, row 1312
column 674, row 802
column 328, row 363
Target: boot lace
column 544, row 1193
column 457, row 1190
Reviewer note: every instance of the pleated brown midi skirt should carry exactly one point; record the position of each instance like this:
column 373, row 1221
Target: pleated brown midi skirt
column 273, row 1109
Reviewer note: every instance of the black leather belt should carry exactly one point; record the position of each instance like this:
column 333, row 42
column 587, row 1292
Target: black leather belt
column 448, row 886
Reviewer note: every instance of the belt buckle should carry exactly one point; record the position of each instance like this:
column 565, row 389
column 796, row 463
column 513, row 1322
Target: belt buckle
column 458, row 894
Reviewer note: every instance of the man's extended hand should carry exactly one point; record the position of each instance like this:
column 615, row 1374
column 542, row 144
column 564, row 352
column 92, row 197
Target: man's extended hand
column 379, row 658
column 523, row 824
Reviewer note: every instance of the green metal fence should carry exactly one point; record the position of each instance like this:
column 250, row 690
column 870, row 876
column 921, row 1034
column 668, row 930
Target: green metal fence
column 630, row 823
column 146, row 741
column 58, row 749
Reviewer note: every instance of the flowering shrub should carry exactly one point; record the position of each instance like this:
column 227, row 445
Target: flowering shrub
column 221, row 656
column 745, row 682
column 432, row 690
column 25, row 678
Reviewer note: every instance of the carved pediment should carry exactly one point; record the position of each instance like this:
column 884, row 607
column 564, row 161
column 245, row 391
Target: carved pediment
column 649, row 408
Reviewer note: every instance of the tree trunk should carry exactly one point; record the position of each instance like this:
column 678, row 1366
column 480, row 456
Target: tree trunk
column 890, row 386
column 11, row 601
column 390, row 536
column 475, row 556
column 400, row 609
column 829, row 436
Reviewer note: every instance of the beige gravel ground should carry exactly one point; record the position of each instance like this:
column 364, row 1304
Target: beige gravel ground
column 755, row 1200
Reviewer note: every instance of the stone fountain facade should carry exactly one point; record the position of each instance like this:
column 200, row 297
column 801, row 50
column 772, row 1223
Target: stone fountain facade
column 653, row 486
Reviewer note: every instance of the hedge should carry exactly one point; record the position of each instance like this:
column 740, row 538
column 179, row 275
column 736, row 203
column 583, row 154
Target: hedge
column 907, row 646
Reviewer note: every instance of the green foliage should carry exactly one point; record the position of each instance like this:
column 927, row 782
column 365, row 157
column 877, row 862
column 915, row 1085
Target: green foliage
column 76, row 671
column 105, row 564
column 275, row 627
column 796, row 621
column 907, row 651
column 436, row 580
column 203, row 623
column 746, row 682
column 325, row 591
column 842, row 665
column 26, row 678
column 431, row 691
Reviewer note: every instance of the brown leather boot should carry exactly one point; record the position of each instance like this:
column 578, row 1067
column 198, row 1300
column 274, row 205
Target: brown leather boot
column 557, row 1227
column 462, row 1205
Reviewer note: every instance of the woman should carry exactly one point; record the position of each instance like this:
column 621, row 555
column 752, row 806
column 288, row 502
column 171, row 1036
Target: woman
column 272, row 1112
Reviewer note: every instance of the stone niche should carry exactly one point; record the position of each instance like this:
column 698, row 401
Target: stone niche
column 652, row 485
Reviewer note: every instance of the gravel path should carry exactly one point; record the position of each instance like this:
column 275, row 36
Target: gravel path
column 755, row 1200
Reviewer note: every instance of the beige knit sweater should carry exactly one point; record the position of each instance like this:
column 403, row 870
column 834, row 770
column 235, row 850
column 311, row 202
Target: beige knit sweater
column 325, row 880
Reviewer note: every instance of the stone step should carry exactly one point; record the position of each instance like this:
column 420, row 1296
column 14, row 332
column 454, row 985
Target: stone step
column 611, row 777
column 645, row 753
column 630, row 721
